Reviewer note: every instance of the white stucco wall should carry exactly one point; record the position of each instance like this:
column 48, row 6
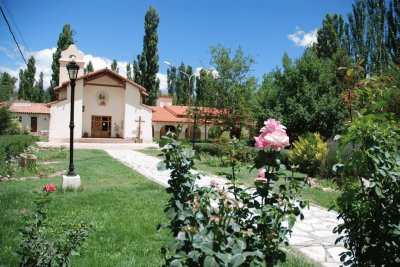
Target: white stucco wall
column 71, row 53
column 114, row 105
column 134, row 109
column 60, row 115
column 43, row 121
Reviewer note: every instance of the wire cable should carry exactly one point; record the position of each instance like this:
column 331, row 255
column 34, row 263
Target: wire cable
column 15, row 40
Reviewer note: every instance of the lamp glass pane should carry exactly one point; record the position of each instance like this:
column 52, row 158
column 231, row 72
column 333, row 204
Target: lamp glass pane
column 73, row 73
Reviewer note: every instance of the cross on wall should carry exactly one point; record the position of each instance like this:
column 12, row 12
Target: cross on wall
column 140, row 125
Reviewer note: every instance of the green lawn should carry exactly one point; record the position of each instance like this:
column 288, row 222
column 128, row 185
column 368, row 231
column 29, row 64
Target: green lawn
column 123, row 206
column 246, row 176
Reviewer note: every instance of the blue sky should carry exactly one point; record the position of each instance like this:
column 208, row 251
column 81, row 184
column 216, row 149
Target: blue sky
column 107, row 30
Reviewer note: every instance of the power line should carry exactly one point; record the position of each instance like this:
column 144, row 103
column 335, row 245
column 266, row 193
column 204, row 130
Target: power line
column 8, row 10
column 15, row 40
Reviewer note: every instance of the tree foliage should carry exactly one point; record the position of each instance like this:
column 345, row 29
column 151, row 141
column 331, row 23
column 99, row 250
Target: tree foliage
column 304, row 96
column 148, row 61
column 179, row 85
column 233, row 88
column 129, row 72
column 393, row 31
column 205, row 85
column 27, row 81
column 114, row 66
column 89, row 67
column 331, row 37
column 7, row 86
column 64, row 40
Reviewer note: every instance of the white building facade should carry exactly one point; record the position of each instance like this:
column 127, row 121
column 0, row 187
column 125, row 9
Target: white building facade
column 107, row 105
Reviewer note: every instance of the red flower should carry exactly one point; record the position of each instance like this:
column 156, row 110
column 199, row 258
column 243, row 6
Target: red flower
column 49, row 187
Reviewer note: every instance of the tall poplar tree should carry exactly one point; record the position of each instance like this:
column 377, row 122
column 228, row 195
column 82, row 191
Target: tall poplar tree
column 205, row 93
column 129, row 72
column 89, row 67
column 64, row 40
column 379, row 55
column 148, row 62
column 38, row 95
column 7, row 86
column 114, row 66
column 359, row 44
column 137, row 74
column 27, row 81
column 331, row 37
column 393, row 31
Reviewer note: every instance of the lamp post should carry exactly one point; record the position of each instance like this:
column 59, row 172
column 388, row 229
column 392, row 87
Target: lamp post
column 196, row 113
column 71, row 179
column 189, row 94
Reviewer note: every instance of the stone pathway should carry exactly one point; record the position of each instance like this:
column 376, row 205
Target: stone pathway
column 312, row 236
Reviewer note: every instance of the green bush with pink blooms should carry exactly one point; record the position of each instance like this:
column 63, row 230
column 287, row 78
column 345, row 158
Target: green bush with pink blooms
column 37, row 249
column 229, row 225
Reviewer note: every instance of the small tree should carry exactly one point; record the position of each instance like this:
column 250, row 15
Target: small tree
column 5, row 119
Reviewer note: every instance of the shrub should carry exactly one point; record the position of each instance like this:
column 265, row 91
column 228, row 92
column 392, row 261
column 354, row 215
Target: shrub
column 13, row 145
column 229, row 225
column 309, row 153
column 5, row 119
column 10, row 148
column 370, row 209
column 208, row 148
column 37, row 249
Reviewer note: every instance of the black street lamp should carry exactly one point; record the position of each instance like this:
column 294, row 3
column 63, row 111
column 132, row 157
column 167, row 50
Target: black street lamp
column 72, row 68
column 196, row 113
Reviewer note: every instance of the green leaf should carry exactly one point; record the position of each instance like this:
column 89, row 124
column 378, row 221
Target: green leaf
column 161, row 166
column 210, row 261
column 237, row 260
column 378, row 191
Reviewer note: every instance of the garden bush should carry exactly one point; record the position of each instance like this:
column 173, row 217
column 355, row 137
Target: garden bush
column 229, row 225
column 309, row 153
column 370, row 209
column 37, row 249
column 10, row 148
column 208, row 148
column 13, row 145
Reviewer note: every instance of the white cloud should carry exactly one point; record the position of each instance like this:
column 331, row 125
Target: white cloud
column 302, row 38
column 163, row 82
column 213, row 71
column 7, row 52
column 44, row 58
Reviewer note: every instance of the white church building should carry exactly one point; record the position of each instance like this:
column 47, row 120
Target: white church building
column 106, row 104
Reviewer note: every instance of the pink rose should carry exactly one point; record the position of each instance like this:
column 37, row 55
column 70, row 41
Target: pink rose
column 271, row 125
column 273, row 135
column 262, row 176
column 49, row 188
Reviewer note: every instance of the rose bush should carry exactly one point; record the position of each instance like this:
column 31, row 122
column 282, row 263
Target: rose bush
column 36, row 249
column 229, row 225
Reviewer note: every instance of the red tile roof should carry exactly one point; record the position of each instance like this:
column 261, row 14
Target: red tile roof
column 160, row 114
column 101, row 72
column 178, row 113
column 29, row 107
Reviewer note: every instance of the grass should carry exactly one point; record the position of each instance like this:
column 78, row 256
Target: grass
column 123, row 207
column 246, row 176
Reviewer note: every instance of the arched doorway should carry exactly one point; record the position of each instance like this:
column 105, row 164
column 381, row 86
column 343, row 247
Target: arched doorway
column 197, row 133
column 167, row 128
